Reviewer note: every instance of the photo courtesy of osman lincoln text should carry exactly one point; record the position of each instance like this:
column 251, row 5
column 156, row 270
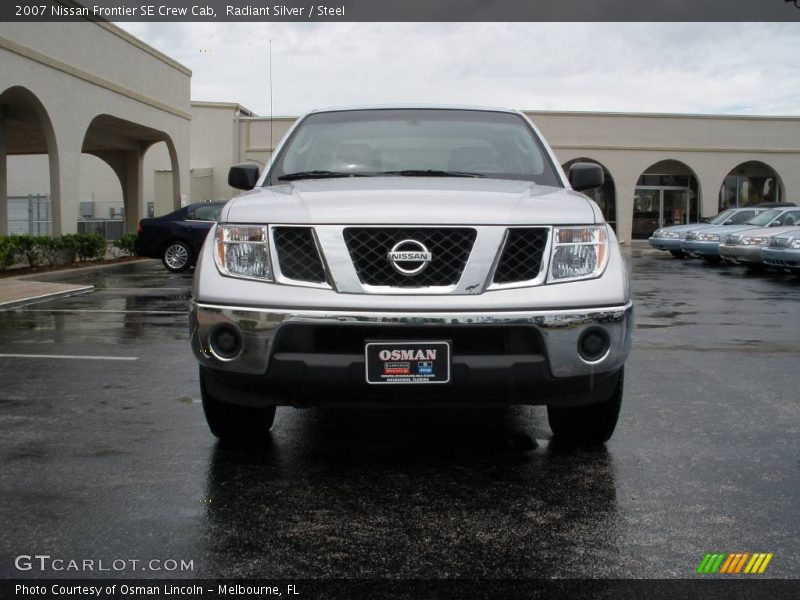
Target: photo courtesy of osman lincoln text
column 393, row 299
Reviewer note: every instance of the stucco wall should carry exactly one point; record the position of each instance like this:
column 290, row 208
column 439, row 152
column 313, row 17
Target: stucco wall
column 79, row 71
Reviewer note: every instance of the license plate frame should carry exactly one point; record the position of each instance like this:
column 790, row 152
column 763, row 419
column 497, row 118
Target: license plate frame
column 409, row 362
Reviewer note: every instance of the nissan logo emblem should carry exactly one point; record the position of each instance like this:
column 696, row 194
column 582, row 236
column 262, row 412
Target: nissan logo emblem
column 409, row 257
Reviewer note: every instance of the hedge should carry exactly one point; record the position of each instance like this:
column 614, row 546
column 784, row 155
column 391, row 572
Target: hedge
column 64, row 249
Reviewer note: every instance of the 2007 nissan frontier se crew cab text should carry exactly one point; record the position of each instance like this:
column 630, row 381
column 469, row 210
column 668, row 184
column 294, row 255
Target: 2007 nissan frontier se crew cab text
column 412, row 256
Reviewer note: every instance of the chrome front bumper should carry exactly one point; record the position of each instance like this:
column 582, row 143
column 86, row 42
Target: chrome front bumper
column 668, row 244
column 787, row 258
column 740, row 253
column 700, row 248
column 559, row 331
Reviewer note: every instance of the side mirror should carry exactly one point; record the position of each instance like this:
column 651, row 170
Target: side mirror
column 728, row 222
column 774, row 224
column 704, row 219
column 585, row 176
column 243, row 177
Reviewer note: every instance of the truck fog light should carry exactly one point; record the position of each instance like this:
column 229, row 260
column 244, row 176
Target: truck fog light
column 593, row 344
column 225, row 342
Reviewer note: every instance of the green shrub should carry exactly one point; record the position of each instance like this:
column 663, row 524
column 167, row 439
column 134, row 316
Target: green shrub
column 68, row 248
column 51, row 248
column 126, row 245
column 70, row 245
column 28, row 246
column 8, row 251
column 91, row 245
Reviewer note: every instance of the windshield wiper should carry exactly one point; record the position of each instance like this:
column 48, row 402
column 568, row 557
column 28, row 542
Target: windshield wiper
column 318, row 175
column 430, row 173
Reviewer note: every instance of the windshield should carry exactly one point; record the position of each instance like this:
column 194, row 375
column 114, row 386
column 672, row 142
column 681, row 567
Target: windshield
column 721, row 217
column 414, row 142
column 764, row 217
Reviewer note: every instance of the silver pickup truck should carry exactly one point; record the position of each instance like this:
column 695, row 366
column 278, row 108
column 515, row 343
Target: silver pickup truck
column 412, row 256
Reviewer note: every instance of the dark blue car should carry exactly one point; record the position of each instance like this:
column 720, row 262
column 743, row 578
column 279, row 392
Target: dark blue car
column 176, row 238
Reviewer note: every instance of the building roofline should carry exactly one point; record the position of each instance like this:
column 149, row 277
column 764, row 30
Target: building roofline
column 129, row 37
column 134, row 41
column 225, row 105
column 657, row 115
column 570, row 113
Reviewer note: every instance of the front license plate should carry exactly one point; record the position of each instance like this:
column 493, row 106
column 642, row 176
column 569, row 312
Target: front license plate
column 407, row 362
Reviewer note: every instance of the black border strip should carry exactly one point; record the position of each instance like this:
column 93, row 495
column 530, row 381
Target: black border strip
column 402, row 10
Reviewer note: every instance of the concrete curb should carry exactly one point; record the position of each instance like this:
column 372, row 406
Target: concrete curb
column 12, row 304
column 51, row 278
column 49, row 275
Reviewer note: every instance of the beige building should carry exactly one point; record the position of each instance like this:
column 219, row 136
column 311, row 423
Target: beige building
column 660, row 169
column 69, row 90
column 115, row 137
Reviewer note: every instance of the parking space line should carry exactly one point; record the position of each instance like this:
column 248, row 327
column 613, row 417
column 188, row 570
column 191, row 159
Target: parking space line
column 70, row 356
column 105, row 311
column 139, row 289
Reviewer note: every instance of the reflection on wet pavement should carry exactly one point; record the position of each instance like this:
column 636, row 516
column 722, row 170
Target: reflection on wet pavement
column 110, row 459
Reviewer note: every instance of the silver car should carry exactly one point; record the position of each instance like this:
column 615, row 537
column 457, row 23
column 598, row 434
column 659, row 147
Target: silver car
column 783, row 251
column 745, row 247
column 412, row 256
column 671, row 238
column 705, row 242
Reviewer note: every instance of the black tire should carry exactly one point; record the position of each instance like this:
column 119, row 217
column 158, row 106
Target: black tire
column 712, row 260
column 678, row 253
column 234, row 423
column 177, row 256
column 589, row 425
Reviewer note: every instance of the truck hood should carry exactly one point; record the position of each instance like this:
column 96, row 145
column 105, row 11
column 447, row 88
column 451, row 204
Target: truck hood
column 412, row 200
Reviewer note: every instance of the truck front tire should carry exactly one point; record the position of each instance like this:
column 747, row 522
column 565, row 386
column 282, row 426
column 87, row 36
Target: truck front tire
column 592, row 424
column 231, row 422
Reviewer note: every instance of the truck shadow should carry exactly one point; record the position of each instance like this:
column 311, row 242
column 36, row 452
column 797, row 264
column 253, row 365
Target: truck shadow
column 408, row 493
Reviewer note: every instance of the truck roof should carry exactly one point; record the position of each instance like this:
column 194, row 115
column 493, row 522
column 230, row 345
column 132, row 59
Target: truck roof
column 413, row 106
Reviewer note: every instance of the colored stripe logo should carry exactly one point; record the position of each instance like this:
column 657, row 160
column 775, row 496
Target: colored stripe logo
column 734, row 563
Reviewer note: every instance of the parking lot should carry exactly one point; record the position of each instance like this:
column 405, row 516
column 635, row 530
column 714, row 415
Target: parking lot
column 106, row 455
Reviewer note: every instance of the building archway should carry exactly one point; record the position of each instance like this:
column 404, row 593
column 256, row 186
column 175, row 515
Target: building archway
column 667, row 193
column 122, row 144
column 751, row 182
column 605, row 196
column 26, row 129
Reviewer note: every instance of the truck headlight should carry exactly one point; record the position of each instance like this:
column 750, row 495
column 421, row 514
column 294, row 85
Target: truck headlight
column 243, row 251
column 579, row 252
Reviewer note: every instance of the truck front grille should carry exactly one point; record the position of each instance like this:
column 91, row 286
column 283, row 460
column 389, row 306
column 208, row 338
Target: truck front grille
column 369, row 248
column 298, row 256
column 522, row 255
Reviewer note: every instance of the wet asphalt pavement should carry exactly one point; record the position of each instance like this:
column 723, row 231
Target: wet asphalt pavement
column 112, row 460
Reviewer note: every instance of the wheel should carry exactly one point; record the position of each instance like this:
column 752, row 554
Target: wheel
column 712, row 260
column 590, row 425
column 231, row 422
column 677, row 253
column 177, row 256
